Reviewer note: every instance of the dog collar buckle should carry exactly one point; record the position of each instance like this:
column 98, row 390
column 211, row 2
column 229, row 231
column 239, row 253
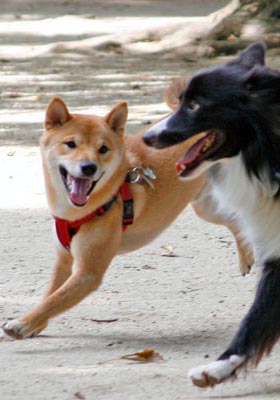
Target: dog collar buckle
column 140, row 175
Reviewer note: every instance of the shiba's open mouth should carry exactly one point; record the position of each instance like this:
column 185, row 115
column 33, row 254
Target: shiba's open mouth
column 78, row 189
column 200, row 151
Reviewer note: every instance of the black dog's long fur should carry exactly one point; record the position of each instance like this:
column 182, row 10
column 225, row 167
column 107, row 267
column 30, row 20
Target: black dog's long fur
column 242, row 100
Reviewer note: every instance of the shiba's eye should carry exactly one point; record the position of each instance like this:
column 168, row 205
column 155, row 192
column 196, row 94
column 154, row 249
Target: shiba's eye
column 103, row 149
column 71, row 144
column 193, row 105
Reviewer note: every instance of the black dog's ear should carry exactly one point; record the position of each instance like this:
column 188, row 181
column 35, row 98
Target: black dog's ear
column 251, row 56
column 173, row 93
column 264, row 83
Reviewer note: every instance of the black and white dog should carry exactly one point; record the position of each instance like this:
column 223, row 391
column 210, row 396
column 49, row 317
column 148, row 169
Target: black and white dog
column 234, row 111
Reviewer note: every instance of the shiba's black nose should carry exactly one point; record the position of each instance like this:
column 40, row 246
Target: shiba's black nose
column 88, row 168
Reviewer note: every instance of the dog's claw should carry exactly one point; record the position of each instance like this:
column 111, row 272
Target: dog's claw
column 246, row 262
column 205, row 381
column 245, row 269
column 13, row 329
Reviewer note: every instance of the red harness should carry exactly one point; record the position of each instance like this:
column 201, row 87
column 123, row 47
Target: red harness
column 65, row 230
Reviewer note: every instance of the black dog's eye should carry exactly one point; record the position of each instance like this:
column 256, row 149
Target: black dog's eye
column 193, row 105
column 71, row 144
column 103, row 149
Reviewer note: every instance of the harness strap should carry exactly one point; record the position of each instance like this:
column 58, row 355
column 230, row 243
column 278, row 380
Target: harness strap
column 65, row 230
column 128, row 213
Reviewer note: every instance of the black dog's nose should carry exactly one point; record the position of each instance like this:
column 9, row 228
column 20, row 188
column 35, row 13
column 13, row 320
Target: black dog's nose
column 150, row 139
column 155, row 134
column 88, row 168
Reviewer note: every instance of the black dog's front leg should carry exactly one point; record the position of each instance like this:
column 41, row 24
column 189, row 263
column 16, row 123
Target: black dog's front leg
column 256, row 336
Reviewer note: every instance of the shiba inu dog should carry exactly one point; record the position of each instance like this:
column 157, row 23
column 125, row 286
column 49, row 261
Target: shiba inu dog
column 233, row 113
column 98, row 181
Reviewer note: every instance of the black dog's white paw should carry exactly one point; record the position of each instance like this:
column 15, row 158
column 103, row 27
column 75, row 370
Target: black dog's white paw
column 216, row 372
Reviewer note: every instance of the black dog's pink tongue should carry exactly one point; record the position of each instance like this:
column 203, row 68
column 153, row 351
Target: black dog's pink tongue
column 194, row 152
column 79, row 190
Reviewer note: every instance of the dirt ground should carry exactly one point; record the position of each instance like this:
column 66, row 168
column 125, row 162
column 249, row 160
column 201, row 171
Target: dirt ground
column 186, row 307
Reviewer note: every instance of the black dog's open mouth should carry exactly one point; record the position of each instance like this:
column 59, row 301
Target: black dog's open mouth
column 78, row 189
column 199, row 152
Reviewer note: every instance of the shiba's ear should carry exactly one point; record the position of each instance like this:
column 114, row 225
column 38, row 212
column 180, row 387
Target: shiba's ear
column 117, row 117
column 251, row 56
column 173, row 93
column 56, row 114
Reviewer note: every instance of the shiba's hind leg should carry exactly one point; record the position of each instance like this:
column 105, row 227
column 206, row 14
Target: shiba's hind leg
column 206, row 208
column 256, row 336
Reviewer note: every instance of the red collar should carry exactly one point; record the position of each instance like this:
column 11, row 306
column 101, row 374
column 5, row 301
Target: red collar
column 65, row 230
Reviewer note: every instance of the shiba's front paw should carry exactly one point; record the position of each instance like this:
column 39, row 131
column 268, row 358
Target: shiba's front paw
column 13, row 329
column 216, row 372
column 4, row 337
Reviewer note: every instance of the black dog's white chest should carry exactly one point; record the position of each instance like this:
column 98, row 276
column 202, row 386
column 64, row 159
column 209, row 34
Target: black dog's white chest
column 251, row 203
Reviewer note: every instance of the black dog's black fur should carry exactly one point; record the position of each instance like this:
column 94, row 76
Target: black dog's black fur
column 241, row 99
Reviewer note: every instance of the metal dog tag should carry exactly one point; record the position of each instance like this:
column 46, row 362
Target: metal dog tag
column 149, row 173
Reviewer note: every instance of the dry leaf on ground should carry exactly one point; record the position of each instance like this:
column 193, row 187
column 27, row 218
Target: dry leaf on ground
column 169, row 250
column 147, row 355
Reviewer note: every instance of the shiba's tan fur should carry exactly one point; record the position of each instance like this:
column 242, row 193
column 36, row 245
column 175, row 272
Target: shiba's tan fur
column 80, row 271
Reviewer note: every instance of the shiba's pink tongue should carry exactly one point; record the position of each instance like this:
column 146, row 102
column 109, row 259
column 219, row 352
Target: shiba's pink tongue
column 79, row 190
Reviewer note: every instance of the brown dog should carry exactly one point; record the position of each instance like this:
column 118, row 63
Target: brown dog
column 86, row 161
